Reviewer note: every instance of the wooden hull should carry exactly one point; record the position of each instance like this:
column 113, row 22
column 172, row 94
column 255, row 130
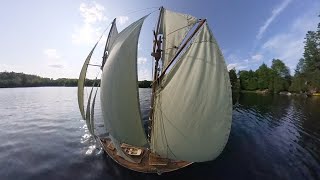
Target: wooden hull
column 147, row 161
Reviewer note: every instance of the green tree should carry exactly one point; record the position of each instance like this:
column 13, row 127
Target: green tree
column 307, row 72
column 233, row 79
column 280, row 76
column 300, row 67
column 248, row 80
column 312, row 50
column 263, row 73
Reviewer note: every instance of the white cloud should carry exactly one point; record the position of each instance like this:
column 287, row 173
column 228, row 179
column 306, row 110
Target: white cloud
column 92, row 12
column 142, row 60
column 289, row 46
column 53, row 58
column 257, row 57
column 144, row 74
column 89, row 31
column 231, row 58
column 275, row 12
column 236, row 62
column 56, row 65
column 232, row 65
column 237, row 66
column 123, row 19
column 51, row 53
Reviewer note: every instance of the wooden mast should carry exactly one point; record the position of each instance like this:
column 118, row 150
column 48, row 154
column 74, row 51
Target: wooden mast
column 156, row 53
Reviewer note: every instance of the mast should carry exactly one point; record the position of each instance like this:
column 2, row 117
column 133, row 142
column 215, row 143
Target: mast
column 156, row 53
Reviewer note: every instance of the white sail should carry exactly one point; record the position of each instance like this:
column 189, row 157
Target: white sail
column 81, row 81
column 113, row 33
column 193, row 106
column 119, row 89
column 88, row 116
column 92, row 112
column 174, row 27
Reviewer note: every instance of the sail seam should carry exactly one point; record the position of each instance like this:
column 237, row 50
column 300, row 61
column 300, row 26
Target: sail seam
column 172, row 124
column 162, row 124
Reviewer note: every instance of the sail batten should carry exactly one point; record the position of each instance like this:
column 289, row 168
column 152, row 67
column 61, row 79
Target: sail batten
column 119, row 89
column 192, row 109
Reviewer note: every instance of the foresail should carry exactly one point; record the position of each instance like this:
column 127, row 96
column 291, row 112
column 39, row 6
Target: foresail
column 88, row 116
column 174, row 27
column 81, row 82
column 92, row 112
column 193, row 107
column 119, row 89
column 113, row 33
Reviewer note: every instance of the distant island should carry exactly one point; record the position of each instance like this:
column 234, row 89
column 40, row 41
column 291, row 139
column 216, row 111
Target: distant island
column 13, row 79
column 277, row 78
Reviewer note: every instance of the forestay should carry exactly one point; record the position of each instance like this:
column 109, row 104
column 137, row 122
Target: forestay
column 193, row 105
column 174, row 27
column 119, row 89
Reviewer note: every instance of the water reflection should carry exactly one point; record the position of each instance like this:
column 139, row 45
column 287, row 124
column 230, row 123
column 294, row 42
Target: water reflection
column 42, row 137
column 284, row 131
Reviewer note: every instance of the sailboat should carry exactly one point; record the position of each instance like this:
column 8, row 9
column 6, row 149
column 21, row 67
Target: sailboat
column 191, row 103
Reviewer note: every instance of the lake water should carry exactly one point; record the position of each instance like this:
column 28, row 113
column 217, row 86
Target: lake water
column 42, row 137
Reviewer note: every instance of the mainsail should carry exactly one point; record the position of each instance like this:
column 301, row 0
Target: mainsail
column 119, row 89
column 174, row 27
column 193, row 105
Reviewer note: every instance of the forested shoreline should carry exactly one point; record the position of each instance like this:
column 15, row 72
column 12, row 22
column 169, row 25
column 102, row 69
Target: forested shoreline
column 13, row 79
column 277, row 78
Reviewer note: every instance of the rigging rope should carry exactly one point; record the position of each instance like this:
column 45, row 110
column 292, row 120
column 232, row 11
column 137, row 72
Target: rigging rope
column 136, row 11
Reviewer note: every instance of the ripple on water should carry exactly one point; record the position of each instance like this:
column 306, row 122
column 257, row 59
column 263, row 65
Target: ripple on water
column 42, row 137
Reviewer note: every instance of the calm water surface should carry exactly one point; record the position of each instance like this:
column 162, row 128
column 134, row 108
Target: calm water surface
column 42, row 136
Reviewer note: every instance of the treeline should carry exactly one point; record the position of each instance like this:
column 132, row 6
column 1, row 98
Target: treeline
column 12, row 79
column 277, row 78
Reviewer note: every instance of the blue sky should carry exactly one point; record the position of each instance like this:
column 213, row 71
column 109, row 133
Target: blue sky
column 53, row 38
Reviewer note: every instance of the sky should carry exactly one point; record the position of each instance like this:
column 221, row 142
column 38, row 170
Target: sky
column 53, row 38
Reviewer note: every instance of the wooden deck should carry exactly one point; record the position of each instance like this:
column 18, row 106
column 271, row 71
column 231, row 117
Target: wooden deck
column 148, row 162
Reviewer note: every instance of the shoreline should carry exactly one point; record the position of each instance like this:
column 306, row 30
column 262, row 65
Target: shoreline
column 287, row 93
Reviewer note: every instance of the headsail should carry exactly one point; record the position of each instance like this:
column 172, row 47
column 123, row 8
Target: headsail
column 119, row 89
column 113, row 33
column 82, row 78
column 193, row 105
column 81, row 81
column 92, row 112
column 88, row 116
column 174, row 27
